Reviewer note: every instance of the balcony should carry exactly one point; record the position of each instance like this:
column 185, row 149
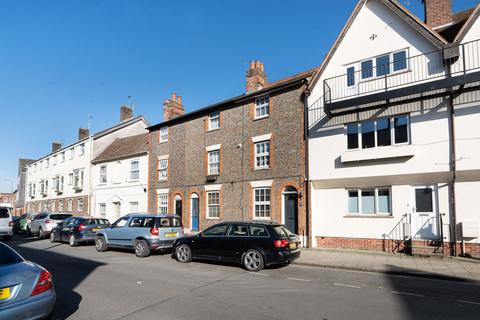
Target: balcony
column 403, row 81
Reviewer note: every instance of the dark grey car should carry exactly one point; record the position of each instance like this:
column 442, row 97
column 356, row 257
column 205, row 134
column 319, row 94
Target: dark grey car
column 26, row 289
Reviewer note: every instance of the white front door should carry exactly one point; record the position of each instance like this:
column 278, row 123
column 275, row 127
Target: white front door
column 425, row 224
column 117, row 211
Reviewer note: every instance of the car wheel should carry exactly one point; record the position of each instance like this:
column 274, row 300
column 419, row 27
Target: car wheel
column 100, row 244
column 28, row 233
column 72, row 241
column 253, row 260
column 52, row 237
column 41, row 235
column 141, row 248
column 183, row 253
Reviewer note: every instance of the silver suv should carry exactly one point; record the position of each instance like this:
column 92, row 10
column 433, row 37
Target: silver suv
column 43, row 223
column 6, row 223
column 143, row 232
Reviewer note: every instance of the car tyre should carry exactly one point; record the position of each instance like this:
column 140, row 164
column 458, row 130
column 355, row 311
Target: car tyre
column 252, row 260
column 41, row 235
column 141, row 248
column 28, row 232
column 100, row 244
column 52, row 237
column 183, row 253
column 72, row 241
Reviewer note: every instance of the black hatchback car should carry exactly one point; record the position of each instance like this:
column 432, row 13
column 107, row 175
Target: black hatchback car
column 78, row 229
column 252, row 244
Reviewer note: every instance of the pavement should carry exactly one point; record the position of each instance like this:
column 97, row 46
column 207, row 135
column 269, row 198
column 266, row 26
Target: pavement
column 446, row 268
column 117, row 285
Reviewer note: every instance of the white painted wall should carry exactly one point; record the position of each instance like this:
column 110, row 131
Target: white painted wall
column 119, row 187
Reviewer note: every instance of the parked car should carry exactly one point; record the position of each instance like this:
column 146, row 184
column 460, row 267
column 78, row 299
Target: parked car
column 16, row 224
column 43, row 223
column 6, row 223
column 78, row 229
column 26, row 289
column 252, row 244
column 143, row 232
column 24, row 220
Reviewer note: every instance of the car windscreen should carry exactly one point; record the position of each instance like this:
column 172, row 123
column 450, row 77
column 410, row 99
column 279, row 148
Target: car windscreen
column 60, row 216
column 102, row 221
column 4, row 212
column 8, row 256
column 283, row 232
column 169, row 222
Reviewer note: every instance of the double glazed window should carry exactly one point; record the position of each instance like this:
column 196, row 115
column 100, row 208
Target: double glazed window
column 262, row 155
column 163, row 169
column 134, row 170
column 262, row 203
column 78, row 178
column 378, row 133
column 103, row 174
column 214, row 162
column 214, row 121
column 213, row 204
column 262, row 107
column 369, row 201
column 163, row 134
column 102, row 210
column 163, row 203
column 80, row 204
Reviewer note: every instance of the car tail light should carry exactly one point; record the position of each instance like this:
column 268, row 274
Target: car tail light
column 49, row 221
column 81, row 227
column 43, row 284
column 10, row 223
column 280, row 243
column 154, row 231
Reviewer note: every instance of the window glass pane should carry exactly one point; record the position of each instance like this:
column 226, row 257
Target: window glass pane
column 351, row 76
column 238, row 231
column 368, row 201
column 401, row 129
column 352, row 136
column 383, row 132
column 383, row 66
column 384, row 200
column 400, row 61
column 424, row 200
column 352, row 201
column 367, row 69
column 368, row 134
column 258, row 231
column 216, row 230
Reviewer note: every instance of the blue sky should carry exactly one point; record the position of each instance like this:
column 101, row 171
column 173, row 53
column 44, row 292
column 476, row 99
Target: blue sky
column 62, row 60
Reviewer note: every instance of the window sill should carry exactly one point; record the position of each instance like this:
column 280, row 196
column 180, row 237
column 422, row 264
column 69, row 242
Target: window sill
column 133, row 181
column 162, row 180
column 210, row 130
column 163, row 142
column 262, row 219
column 387, row 152
column 262, row 117
column 369, row 216
column 262, row 168
column 213, row 218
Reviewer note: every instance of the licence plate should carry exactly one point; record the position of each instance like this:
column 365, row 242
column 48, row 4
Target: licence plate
column 293, row 245
column 4, row 293
column 96, row 229
column 170, row 235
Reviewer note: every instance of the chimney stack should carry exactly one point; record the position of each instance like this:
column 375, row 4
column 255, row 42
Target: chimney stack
column 126, row 113
column 83, row 133
column 56, row 146
column 256, row 76
column 437, row 12
column 173, row 108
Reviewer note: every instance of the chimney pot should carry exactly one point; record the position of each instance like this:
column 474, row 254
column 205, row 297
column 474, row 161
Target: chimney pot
column 173, row 108
column 252, row 64
column 256, row 76
column 83, row 133
column 179, row 99
column 174, row 96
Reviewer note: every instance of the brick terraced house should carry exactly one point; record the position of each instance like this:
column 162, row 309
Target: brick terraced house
column 239, row 159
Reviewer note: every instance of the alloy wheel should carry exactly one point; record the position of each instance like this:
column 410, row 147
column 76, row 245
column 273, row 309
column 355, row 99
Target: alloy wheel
column 99, row 244
column 140, row 249
column 252, row 260
column 52, row 237
column 183, row 254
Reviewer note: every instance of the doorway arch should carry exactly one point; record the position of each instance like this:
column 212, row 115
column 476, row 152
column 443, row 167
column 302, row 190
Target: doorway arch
column 290, row 208
column 194, row 211
column 178, row 206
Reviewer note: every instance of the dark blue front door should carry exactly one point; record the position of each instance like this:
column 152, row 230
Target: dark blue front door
column 195, row 214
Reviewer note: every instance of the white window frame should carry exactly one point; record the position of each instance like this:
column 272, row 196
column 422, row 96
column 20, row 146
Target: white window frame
column 163, row 169
column 54, row 160
column 72, row 153
column 62, row 156
column 262, row 107
column 359, row 204
column 134, row 206
column 80, row 204
column 102, row 210
column 264, row 155
column 70, row 205
column 262, row 203
column 78, row 177
column 52, row 205
column 163, row 135
column 214, row 121
column 134, row 172
column 391, row 120
column 213, row 205
column 47, row 163
column 103, row 174
column 213, row 166
column 82, row 149
column 162, row 203
column 60, row 206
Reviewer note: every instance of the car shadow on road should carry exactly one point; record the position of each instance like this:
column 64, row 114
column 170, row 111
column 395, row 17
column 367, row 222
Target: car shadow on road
column 68, row 273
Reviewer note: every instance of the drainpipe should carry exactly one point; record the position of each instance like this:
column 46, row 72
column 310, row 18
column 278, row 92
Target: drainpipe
column 307, row 178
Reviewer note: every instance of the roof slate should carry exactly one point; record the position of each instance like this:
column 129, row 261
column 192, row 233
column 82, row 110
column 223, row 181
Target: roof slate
column 124, row 147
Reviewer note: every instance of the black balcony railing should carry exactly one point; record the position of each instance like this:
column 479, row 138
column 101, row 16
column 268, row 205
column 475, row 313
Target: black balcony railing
column 434, row 70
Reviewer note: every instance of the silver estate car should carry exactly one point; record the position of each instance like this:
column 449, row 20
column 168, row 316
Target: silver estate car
column 26, row 289
column 43, row 223
column 6, row 223
column 143, row 232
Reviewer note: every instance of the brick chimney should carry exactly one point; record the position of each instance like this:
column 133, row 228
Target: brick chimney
column 56, row 146
column 83, row 133
column 126, row 113
column 173, row 107
column 437, row 12
column 256, row 76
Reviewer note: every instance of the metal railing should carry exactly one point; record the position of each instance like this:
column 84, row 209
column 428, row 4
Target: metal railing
column 423, row 68
column 397, row 240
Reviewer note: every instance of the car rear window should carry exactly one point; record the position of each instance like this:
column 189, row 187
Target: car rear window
column 4, row 212
column 60, row 216
column 169, row 222
column 8, row 256
column 283, row 232
column 258, row 231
